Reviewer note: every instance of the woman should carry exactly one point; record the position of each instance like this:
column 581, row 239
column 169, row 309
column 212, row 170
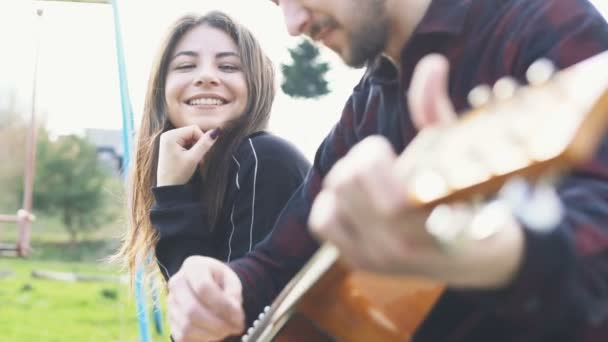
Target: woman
column 206, row 179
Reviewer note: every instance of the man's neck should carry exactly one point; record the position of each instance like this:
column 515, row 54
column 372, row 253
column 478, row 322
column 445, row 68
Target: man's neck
column 404, row 16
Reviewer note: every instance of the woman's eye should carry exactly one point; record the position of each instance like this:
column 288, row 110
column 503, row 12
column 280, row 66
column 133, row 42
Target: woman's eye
column 184, row 66
column 229, row 67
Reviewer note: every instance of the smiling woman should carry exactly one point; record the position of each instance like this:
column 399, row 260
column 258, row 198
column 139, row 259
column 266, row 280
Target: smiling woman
column 207, row 179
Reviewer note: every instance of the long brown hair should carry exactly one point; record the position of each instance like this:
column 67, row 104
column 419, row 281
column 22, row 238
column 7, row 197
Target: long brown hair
column 140, row 238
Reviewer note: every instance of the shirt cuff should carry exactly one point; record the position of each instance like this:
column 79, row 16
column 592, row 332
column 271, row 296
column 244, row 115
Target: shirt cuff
column 547, row 261
column 173, row 195
column 538, row 289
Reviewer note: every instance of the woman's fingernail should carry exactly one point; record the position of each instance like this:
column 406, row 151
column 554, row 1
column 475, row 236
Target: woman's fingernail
column 215, row 133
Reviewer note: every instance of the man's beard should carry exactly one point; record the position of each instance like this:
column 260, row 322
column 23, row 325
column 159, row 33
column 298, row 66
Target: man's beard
column 367, row 42
column 367, row 39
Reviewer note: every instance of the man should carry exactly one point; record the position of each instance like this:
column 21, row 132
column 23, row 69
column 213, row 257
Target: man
column 520, row 284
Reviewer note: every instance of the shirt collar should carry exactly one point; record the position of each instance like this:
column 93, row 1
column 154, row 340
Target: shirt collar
column 444, row 16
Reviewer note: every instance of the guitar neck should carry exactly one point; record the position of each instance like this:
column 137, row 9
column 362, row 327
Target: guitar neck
column 283, row 306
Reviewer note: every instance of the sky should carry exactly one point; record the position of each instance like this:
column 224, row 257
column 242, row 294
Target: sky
column 77, row 79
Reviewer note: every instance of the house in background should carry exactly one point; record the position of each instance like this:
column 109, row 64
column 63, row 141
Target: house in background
column 109, row 148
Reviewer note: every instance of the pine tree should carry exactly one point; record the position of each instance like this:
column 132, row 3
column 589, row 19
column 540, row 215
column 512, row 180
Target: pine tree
column 305, row 77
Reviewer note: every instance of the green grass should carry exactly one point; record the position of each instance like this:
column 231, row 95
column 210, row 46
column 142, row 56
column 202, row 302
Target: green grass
column 50, row 241
column 44, row 310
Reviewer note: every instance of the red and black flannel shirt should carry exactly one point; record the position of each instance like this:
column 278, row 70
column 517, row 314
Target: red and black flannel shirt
column 561, row 291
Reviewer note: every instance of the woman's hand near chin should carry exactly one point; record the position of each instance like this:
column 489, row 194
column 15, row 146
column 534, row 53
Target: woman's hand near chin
column 180, row 152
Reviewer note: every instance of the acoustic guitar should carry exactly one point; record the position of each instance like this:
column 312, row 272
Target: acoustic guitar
column 553, row 123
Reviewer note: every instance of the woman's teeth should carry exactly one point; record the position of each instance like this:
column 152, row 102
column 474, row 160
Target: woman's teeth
column 211, row 102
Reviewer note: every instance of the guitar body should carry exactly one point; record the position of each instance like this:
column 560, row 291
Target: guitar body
column 301, row 329
column 358, row 306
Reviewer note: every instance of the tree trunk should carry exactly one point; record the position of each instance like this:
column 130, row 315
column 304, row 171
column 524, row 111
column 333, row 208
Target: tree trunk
column 68, row 221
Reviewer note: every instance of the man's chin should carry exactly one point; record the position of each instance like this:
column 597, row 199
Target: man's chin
column 352, row 62
column 347, row 57
column 357, row 64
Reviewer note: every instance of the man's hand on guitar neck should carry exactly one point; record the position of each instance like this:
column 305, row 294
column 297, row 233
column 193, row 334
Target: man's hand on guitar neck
column 205, row 301
column 364, row 211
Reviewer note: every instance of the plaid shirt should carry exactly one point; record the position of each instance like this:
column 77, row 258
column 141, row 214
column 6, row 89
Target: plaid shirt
column 561, row 290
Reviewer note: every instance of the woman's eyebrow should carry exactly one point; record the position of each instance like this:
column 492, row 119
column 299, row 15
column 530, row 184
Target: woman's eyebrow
column 185, row 53
column 195, row 54
column 227, row 54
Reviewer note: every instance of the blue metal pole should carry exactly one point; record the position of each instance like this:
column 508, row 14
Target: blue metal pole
column 125, row 101
column 128, row 129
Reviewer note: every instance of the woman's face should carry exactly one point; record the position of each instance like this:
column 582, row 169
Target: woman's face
column 205, row 83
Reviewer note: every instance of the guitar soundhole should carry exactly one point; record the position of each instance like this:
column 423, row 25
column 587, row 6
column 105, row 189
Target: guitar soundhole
column 301, row 329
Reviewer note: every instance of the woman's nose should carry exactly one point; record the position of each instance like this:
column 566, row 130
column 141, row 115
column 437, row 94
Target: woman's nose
column 206, row 77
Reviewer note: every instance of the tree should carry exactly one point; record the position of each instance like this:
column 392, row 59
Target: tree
column 305, row 77
column 13, row 133
column 8, row 108
column 69, row 183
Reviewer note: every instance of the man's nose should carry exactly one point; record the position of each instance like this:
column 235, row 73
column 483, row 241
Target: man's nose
column 297, row 17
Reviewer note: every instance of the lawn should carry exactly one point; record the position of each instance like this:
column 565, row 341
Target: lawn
column 40, row 310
